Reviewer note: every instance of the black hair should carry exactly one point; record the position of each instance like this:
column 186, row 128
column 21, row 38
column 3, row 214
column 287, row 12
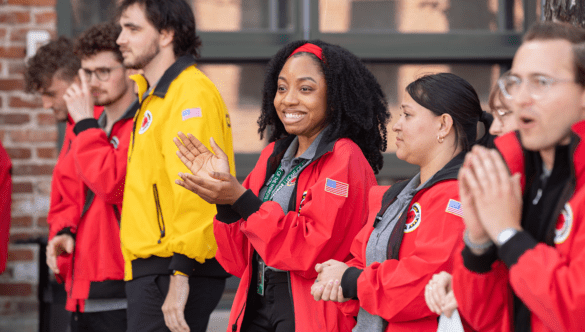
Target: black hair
column 446, row 93
column 172, row 15
column 564, row 31
column 57, row 57
column 356, row 106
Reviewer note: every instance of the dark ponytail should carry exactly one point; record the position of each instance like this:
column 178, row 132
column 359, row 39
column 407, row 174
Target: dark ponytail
column 446, row 93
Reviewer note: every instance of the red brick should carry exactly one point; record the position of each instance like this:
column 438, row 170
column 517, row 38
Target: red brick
column 15, row 52
column 33, row 102
column 20, row 255
column 15, row 17
column 47, row 153
column 15, row 289
column 25, row 221
column 22, row 188
column 14, row 119
column 11, row 84
column 31, row 2
column 47, row 17
column 25, row 307
column 44, row 119
column 30, row 135
column 42, row 222
column 19, row 153
column 18, row 35
column 2, row 33
column 16, row 68
column 33, row 170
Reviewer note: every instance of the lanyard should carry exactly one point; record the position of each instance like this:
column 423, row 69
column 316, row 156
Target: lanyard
column 277, row 182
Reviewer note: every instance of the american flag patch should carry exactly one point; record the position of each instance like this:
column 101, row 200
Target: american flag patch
column 336, row 187
column 454, row 207
column 191, row 113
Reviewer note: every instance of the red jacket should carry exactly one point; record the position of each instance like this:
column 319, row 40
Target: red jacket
column 394, row 289
column 548, row 279
column 319, row 227
column 5, row 201
column 86, row 201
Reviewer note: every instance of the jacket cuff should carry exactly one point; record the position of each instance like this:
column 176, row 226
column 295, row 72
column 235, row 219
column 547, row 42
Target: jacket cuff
column 226, row 214
column 183, row 264
column 85, row 124
column 515, row 247
column 349, row 282
column 479, row 263
column 66, row 230
column 247, row 204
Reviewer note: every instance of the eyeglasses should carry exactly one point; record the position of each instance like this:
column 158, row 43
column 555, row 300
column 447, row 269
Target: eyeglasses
column 538, row 85
column 501, row 112
column 102, row 74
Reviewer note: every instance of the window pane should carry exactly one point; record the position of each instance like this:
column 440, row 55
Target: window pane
column 395, row 77
column 248, row 15
column 87, row 13
column 422, row 16
column 240, row 86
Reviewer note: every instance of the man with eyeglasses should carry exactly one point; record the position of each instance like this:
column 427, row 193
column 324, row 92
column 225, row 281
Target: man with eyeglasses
column 89, row 180
column 524, row 206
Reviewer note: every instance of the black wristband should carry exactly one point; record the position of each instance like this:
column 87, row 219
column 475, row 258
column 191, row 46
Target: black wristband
column 247, row 204
column 349, row 282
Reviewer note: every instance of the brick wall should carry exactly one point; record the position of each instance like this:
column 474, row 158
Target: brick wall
column 28, row 132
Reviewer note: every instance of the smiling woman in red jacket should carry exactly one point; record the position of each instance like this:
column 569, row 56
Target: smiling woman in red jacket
column 307, row 196
column 415, row 225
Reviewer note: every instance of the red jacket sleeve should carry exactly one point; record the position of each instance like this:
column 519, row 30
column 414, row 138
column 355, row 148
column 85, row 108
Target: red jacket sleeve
column 472, row 290
column 394, row 289
column 101, row 164
column 232, row 246
column 5, row 201
column 326, row 223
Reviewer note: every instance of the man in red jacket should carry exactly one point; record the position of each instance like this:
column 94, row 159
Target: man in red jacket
column 88, row 182
column 523, row 263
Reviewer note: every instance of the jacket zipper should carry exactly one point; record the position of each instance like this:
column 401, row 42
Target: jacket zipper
column 159, row 215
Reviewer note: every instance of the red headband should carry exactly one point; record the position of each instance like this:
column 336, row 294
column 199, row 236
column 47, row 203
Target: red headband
column 310, row 48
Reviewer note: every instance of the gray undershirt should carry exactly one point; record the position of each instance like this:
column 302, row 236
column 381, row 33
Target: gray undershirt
column 377, row 248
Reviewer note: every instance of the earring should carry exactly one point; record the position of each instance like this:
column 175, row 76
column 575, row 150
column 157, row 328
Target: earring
column 440, row 139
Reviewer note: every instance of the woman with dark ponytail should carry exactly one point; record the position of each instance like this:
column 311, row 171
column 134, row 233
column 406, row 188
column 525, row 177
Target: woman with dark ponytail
column 306, row 199
column 414, row 226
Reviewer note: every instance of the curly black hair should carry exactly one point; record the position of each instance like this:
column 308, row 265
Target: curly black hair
column 356, row 106
column 175, row 15
column 99, row 38
column 57, row 57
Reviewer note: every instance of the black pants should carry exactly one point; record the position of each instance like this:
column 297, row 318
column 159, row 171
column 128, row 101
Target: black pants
column 274, row 312
column 103, row 321
column 146, row 296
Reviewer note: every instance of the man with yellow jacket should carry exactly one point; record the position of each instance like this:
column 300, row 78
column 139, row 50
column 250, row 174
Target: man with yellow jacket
column 174, row 281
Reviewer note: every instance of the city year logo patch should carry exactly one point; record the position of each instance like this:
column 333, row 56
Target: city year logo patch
column 115, row 142
column 146, row 122
column 564, row 225
column 411, row 226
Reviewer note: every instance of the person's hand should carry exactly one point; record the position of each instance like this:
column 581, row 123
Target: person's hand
column 57, row 246
column 198, row 159
column 326, row 285
column 439, row 294
column 174, row 306
column 79, row 99
column 497, row 195
column 222, row 188
column 477, row 234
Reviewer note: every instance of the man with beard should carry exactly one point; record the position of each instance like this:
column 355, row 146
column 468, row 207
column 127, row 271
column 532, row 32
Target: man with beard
column 88, row 186
column 167, row 232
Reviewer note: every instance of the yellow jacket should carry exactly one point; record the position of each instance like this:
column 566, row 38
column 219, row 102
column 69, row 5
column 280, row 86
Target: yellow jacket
column 165, row 227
